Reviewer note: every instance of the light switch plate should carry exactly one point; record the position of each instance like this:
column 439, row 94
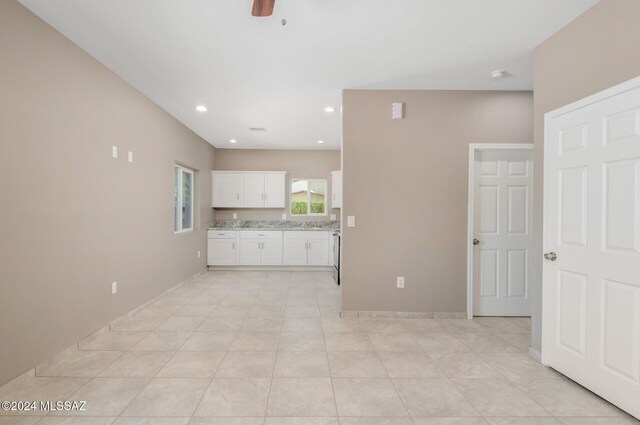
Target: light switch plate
column 130, row 156
column 351, row 221
column 400, row 282
column 114, row 151
column 235, row 216
column 198, row 254
column 114, row 288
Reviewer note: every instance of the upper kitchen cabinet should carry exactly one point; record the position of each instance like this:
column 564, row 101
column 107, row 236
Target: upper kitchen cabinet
column 336, row 189
column 248, row 189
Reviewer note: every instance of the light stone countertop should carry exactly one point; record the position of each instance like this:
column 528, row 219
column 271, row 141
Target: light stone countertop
column 275, row 225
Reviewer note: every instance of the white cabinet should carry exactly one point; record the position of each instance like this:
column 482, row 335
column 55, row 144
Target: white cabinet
column 222, row 248
column 248, row 189
column 306, row 248
column 336, row 189
column 226, row 190
column 261, row 248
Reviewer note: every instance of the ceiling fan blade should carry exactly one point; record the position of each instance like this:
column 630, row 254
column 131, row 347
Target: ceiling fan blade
column 262, row 7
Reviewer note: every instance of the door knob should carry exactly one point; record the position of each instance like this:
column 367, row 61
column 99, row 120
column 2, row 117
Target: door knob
column 551, row 256
column 476, row 242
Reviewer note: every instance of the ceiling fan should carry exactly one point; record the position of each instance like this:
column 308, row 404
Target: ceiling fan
column 262, row 8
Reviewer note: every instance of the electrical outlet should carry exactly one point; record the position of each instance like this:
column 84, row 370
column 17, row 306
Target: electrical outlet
column 400, row 282
column 235, row 216
column 198, row 254
column 332, row 217
column 130, row 156
column 114, row 151
column 284, row 216
column 351, row 221
column 114, row 288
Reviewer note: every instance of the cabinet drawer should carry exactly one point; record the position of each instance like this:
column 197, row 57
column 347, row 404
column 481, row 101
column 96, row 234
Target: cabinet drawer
column 221, row 234
column 268, row 234
column 309, row 234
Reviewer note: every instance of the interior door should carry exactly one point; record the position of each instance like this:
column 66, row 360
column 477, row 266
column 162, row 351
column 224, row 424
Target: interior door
column 227, row 190
column 274, row 188
column 591, row 282
column 253, row 190
column 503, row 232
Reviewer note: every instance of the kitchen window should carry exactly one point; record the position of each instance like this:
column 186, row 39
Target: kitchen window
column 308, row 197
column 183, row 200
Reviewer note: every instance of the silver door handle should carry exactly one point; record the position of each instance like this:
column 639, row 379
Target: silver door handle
column 551, row 256
column 476, row 242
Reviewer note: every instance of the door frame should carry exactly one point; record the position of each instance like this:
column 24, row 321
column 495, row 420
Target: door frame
column 474, row 150
column 589, row 100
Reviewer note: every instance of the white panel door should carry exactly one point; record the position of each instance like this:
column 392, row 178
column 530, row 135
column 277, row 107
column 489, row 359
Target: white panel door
column 250, row 252
column 318, row 252
column 502, row 225
column 221, row 252
column 274, row 188
column 227, row 190
column 591, row 283
column 271, row 252
column 295, row 252
column 253, row 192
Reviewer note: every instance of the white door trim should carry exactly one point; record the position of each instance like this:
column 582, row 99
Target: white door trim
column 597, row 97
column 474, row 149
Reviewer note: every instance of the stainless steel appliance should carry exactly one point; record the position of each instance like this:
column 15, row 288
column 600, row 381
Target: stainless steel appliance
column 336, row 256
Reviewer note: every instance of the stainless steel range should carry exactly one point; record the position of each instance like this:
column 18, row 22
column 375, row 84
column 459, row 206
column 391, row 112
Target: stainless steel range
column 336, row 256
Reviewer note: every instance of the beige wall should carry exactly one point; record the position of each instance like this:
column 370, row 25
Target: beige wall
column 73, row 218
column 297, row 163
column 596, row 51
column 386, row 163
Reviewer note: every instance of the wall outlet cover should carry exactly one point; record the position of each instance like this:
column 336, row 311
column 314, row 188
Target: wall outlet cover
column 351, row 221
column 114, row 288
column 400, row 282
column 130, row 156
column 332, row 217
column 284, row 216
column 235, row 216
column 114, row 151
column 198, row 254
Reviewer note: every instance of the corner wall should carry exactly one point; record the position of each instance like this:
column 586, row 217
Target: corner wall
column 73, row 218
column 597, row 50
column 406, row 183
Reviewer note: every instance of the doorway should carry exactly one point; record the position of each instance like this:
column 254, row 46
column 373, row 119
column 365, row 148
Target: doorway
column 500, row 236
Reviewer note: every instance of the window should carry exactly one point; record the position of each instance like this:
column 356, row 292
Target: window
column 308, row 197
column 183, row 200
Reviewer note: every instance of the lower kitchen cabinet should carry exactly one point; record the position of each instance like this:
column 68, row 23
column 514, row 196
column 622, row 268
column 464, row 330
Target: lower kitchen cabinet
column 222, row 249
column 306, row 248
column 261, row 248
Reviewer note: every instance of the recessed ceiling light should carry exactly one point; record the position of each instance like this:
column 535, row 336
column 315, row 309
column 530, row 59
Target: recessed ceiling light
column 233, row 141
column 329, row 109
column 201, row 108
column 321, row 141
column 498, row 74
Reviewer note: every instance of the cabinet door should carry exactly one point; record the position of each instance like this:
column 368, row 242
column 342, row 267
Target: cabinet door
column 271, row 252
column 318, row 252
column 295, row 252
column 253, row 192
column 221, row 252
column 250, row 252
column 227, row 190
column 336, row 189
column 274, row 188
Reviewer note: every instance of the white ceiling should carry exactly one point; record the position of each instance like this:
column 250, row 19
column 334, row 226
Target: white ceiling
column 254, row 72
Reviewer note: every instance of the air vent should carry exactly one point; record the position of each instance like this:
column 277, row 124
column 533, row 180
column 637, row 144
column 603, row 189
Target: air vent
column 258, row 129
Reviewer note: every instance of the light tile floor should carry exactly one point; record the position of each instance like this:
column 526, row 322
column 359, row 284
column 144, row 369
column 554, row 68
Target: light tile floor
column 269, row 348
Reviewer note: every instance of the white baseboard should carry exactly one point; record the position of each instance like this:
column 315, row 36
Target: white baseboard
column 535, row 354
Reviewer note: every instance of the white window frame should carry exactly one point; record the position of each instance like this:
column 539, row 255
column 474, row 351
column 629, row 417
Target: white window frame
column 178, row 219
column 309, row 213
